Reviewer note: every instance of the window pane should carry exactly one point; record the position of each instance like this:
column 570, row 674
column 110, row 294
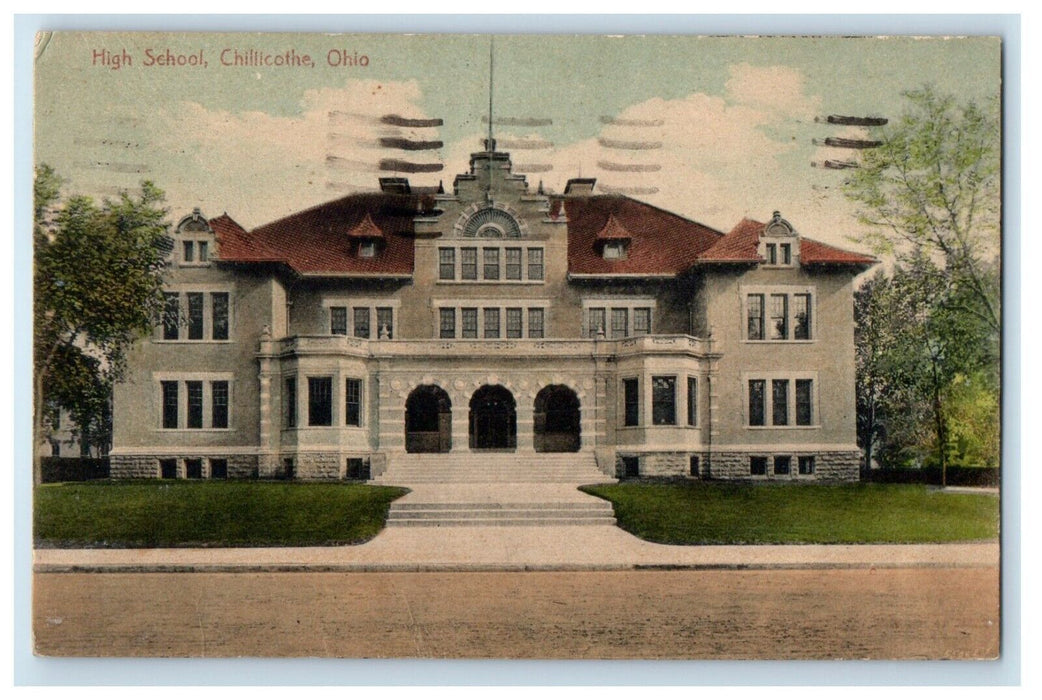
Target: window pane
column 491, row 323
column 195, row 404
column 757, row 389
column 780, row 401
column 385, row 322
column 806, row 464
column 782, row 464
column 169, row 404
column 535, row 323
column 758, row 466
column 320, row 400
column 361, row 314
column 804, row 402
column 291, row 402
column 596, row 325
column 219, row 304
column 193, row 469
column 513, row 263
column 491, row 263
column 447, row 323
column 641, row 321
column 353, row 403
column 189, row 248
column 219, row 404
column 664, row 400
column 204, row 251
column 446, row 263
column 786, row 253
column 171, row 316
column 801, row 316
column 630, row 389
column 514, row 323
column 535, row 263
column 772, row 254
column 754, row 307
column 470, row 323
column 195, row 316
column 338, row 320
column 619, row 323
column 779, row 316
column 367, row 249
column 218, row 469
column 469, row 263
column 692, row 401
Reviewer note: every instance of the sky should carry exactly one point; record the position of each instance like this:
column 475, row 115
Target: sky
column 713, row 128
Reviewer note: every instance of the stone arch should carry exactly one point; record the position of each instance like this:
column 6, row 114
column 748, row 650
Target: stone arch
column 493, row 418
column 428, row 420
column 557, row 419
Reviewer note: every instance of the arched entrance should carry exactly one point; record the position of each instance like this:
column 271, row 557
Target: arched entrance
column 428, row 420
column 557, row 420
column 493, row 419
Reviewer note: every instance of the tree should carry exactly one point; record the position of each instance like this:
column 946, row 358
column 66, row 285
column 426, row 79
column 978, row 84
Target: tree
column 97, row 288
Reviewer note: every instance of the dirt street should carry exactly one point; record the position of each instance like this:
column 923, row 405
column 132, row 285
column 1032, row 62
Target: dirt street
column 848, row 614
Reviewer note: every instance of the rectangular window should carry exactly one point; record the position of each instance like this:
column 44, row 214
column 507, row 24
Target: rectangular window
column 491, row 263
column 194, row 468
column 804, row 402
column 664, row 400
column 535, row 263
column 367, row 249
column 692, row 401
column 385, row 322
column 758, row 466
column 447, row 323
column 786, row 253
column 171, row 316
column 361, row 318
column 779, row 316
column 204, row 251
column 754, row 309
column 468, row 263
column 168, row 469
column 470, row 323
column 757, row 389
column 320, row 401
column 219, row 404
column 291, row 402
column 772, row 254
column 169, row 404
column 195, row 315
column 619, row 323
column 219, row 309
column 641, row 321
column 446, row 263
column 353, row 402
column 514, row 323
column 513, row 263
column 631, row 398
column 535, row 323
column 780, row 401
column 195, row 404
column 338, row 320
column 189, row 250
column 806, row 464
column 782, row 464
column 491, row 323
column 597, row 322
column 801, row 316
column 218, row 469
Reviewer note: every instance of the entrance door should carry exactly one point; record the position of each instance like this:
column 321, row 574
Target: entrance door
column 557, row 420
column 428, row 420
column 493, row 419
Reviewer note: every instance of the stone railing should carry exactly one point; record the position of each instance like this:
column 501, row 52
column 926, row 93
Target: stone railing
column 435, row 347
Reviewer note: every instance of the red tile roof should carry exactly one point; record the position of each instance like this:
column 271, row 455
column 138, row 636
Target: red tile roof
column 740, row 246
column 366, row 229
column 661, row 243
column 322, row 240
column 613, row 231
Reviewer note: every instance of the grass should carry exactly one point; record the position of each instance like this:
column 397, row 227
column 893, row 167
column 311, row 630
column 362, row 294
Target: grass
column 719, row 513
column 208, row 514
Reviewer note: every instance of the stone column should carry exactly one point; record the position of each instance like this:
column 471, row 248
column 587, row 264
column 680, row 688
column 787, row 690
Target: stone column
column 525, row 422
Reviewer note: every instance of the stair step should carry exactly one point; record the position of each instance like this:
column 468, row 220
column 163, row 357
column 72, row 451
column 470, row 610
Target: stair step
column 591, row 506
column 527, row 522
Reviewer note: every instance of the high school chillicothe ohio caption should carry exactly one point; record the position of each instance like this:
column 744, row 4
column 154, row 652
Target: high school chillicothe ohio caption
column 574, row 336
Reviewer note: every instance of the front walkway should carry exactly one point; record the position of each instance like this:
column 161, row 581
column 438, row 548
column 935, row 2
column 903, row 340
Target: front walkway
column 512, row 548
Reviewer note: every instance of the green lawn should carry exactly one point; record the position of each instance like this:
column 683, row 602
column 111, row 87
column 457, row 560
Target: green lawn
column 718, row 513
column 208, row 514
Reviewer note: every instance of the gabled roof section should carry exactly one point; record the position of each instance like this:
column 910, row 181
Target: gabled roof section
column 322, row 240
column 740, row 246
column 661, row 243
column 613, row 231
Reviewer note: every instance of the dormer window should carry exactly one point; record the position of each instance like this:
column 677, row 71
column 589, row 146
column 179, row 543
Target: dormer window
column 195, row 234
column 614, row 250
column 367, row 249
column 779, row 242
column 613, row 239
column 368, row 236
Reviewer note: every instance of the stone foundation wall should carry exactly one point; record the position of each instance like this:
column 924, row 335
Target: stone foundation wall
column 147, row 466
column 136, row 467
column 662, row 464
column 317, row 466
column 828, row 466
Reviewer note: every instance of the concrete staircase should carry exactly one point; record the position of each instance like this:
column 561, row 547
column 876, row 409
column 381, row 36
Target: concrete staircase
column 492, row 467
column 594, row 512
